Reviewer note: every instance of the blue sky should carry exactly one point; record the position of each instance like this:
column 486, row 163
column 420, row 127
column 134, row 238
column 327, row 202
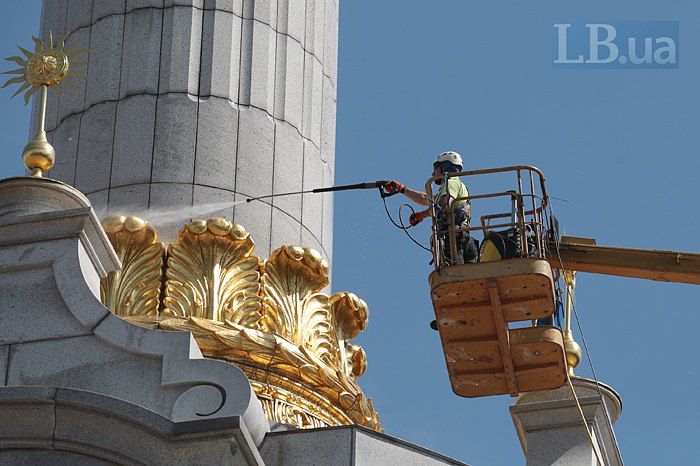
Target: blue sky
column 619, row 147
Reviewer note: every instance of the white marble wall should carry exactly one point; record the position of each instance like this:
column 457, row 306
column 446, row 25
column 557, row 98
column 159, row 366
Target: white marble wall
column 192, row 102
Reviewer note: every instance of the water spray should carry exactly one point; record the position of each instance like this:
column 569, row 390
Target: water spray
column 367, row 185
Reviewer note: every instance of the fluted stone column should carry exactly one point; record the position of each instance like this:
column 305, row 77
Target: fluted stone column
column 193, row 102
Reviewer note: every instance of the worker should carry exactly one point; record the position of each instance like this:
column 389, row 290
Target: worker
column 450, row 195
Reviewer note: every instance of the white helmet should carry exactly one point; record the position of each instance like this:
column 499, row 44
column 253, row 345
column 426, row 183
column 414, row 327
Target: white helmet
column 450, row 156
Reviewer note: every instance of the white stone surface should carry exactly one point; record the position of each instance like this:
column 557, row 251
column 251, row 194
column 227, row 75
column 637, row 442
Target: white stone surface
column 206, row 196
column 95, row 147
column 315, row 18
column 99, row 198
column 330, row 51
column 104, row 68
column 32, row 421
column 328, row 123
column 141, row 54
column 53, row 18
column 180, row 50
column 198, row 89
column 232, row 6
column 327, row 227
column 313, row 99
column 79, row 427
column 350, row 445
column 75, row 342
column 55, row 15
column 133, row 140
column 256, row 145
column 284, row 229
column 171, row 197
column 67, row 137
column 550, row 429
column 221, row 55
column 112, row 7
column 289, row 87
column 175, row 139
column 135, row 4
column 264, row 11
column 256, row 217
column 79, row 14
column 262, row 66
column 189, row 3
column 4, row 359
column 312, row 207
column 74, row 99
column 288, row 168
column 22, row 323
column 217, row 143
column 292, row 19
column 127, row 200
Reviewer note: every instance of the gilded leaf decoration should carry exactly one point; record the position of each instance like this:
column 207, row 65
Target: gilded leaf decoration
column 267, row 317
column 293, row 276
column 211, row 273
column 350, row 316
column 135, row 289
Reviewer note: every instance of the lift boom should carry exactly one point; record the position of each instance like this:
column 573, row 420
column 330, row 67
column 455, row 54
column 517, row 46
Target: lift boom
column 583, row 255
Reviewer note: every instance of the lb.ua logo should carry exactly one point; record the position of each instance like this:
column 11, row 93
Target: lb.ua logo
column 623, row 44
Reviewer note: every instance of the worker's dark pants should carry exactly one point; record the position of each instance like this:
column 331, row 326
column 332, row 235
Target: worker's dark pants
column 467, row 249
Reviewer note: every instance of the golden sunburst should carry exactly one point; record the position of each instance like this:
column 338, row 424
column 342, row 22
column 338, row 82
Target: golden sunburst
column 47, row 66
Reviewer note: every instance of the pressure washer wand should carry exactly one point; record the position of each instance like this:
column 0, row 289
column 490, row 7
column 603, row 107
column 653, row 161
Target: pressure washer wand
column 368, row 185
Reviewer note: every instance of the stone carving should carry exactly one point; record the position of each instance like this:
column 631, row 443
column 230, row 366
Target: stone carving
column 267, row 317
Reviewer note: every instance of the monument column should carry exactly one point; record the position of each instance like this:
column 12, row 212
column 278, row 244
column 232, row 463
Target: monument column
column 191, row 105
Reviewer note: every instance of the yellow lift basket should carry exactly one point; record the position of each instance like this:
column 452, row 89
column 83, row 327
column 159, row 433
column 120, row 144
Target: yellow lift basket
column 479, row 305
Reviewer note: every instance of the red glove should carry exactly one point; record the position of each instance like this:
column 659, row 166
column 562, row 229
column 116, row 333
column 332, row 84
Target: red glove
column 393, row 187
column 416, row 218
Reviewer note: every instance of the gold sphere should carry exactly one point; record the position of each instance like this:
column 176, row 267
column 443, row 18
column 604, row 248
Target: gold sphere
column 39, row 156
column 573, row 352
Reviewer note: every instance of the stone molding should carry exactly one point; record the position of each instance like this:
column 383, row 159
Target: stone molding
column 90, row 428
column 56, row 333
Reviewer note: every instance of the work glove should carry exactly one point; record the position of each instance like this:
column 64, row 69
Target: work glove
column 393, row 187
column 416, row 218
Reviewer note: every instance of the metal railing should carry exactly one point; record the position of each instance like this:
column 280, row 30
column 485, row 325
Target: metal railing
column 527, row 213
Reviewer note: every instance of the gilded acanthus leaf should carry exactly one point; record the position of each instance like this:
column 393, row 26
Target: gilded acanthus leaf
column 292, row 306
column 350, row 316
column 135, row 289
column 211, row 274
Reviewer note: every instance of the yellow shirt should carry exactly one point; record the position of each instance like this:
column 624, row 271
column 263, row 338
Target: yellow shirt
column 455, row 189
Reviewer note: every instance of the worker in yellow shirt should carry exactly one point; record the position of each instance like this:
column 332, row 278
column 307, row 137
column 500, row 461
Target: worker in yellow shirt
column 451, row 195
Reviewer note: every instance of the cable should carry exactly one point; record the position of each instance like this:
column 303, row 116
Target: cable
column 588, row 356
column 402, row 226
column 583, row 420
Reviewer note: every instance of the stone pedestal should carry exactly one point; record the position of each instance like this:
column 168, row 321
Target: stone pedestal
column 83, row 384
column 552, row 433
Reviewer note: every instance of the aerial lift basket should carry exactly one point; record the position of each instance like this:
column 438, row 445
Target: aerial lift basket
column 475, row 303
